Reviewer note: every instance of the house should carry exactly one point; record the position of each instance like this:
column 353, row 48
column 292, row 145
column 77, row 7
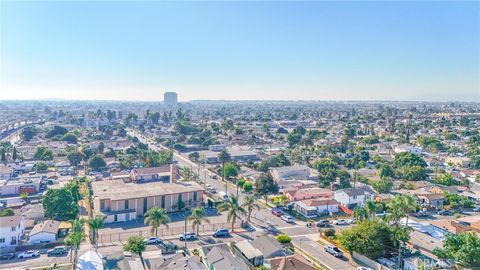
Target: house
column 353, row 197
column 269, row 247
column 121, row 201
column 177, row 262
column 35, row 211
column 11, row 230
column 313, row 207
column 19, row 186
column 290, row 172
column 219, row 257
column 251, row 254
column 459, row 161
column 434, row 200
column 407, row 148
column 294, row 262
column 44, row 232
column 307, row 193
column 238, row 155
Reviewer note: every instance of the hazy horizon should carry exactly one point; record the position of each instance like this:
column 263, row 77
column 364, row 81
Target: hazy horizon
column 135, row 51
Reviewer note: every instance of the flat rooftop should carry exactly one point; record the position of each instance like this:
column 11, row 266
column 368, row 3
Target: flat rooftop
column 119, row 190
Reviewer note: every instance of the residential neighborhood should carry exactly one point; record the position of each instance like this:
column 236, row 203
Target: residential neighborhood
column 212, row 189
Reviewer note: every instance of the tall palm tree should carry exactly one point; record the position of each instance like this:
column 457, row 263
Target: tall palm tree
column 198, row 216
column 249, row 205
column 224, row 157
column 234, row 210
column 156, row 217
column 75, row 238
column 371, row 208
column 400, row 206
column 95, row 224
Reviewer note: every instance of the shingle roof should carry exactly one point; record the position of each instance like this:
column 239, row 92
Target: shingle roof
column 47, row 226
column 10, row 221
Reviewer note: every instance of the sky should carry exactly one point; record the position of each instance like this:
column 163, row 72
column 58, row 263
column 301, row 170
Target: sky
column 240, row 50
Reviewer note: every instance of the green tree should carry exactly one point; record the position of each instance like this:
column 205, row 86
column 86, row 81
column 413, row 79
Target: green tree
column 56, row 130
column 136, row 245
column 250, row 204
column 370, row 237
column 234, row 210
column 95, row 224
column 283, row 238
column 195, row 156
column 3, row 155
column 70, row 138
column 400, row 206
column 197, row 217
column 75, row 158
column 224, row 157
column 265, row 185
column 97, row 162
column 445, row 179
column 464, row 248
column 6, row 212
column 60, row 204
column 156, row 217
column 247, row 187
column 327, row 169
column 344, row 179
column 43, row 153
column 75, row 238
column 384, row 185
column 41, row 166
column 14, row 154
column 28, row 133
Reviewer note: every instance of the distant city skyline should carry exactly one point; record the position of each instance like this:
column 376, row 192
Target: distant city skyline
column 426, row 51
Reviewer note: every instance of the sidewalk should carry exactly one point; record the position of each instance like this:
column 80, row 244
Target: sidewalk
column 316, row 252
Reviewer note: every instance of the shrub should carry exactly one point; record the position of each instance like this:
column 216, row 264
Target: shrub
column 247, row 186
column 283, row 238
column 329, row 233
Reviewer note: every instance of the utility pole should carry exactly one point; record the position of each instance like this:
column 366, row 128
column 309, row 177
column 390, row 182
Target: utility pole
column 400, row 245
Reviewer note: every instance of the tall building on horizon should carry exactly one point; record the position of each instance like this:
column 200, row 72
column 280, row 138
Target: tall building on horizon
column 170, row 98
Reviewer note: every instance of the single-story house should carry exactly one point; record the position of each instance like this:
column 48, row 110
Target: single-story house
column 44, row 232
column 314, row 207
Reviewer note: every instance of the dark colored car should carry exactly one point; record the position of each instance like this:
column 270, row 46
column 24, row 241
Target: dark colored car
column 7, row 255
column 57, row 251
column 221, row 233
column 323, row 223
column 445, row 213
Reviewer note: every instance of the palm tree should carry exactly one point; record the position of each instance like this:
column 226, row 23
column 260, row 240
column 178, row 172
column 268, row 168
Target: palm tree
column 198, row 216
column 250, row 204
column 371, row 208
column 95, row 224
column 224, row 157
column 400, row 206
column 156, row 217
column 75, row 238
column 233, row 208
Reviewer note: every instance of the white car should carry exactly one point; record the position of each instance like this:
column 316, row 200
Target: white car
column 287, row 218
column 187, row 236
column 364, row 268
column 153, row 240
column 29, row 254
column 340, row 222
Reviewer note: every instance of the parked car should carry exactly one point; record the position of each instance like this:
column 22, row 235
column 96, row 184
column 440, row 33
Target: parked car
column 323, row 223
column 221, row 233
column 287, row 218
column 167, row 248
column 277, row 212
column 211, row 190
column 476, row 209
column 334, row 251
column 29, row 254
column 57, row 251
column 340, row 222
column 7, row 255
column 420, row 214
column 187, row 236
column 445, row 213
column 223, row 195
column 152, row 240
column 364, row 268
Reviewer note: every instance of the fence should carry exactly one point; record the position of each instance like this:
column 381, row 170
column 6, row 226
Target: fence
column 109, row 237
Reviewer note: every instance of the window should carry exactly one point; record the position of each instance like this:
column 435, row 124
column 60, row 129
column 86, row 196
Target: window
column 102, row 204
column 163, row 202
column 194, row 196
column 179, row 198
column 2, row 240
column 126, row 204
column 14, row 228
